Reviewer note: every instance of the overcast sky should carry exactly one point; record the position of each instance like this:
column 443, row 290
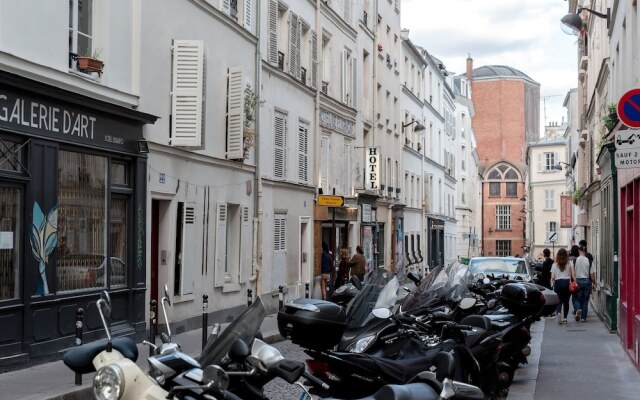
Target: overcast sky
column 524, row 34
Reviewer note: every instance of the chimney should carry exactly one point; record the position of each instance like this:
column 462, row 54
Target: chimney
column 469, row 68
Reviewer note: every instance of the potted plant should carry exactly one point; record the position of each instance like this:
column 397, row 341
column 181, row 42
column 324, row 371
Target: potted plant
column 90, row 61
column 577, row 195
column 610, row 120
column 251, row 104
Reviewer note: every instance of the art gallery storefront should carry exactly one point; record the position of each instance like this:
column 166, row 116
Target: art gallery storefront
column 72, row 218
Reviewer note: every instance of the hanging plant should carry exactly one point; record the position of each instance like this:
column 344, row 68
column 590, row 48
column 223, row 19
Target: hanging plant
column 610, row 120
column 251, row 104
column 577, row 195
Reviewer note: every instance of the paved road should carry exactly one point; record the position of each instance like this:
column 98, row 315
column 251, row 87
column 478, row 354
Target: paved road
column 279, row 389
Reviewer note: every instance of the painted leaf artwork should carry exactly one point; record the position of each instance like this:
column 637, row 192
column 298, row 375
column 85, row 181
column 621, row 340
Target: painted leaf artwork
column 43, row 235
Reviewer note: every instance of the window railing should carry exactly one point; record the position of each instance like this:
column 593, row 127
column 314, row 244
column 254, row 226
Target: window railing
column 281, row 61
column 325, row 87
column 233, row 8
column 303, row 75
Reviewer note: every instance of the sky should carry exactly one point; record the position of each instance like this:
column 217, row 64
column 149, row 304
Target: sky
column 524, row 34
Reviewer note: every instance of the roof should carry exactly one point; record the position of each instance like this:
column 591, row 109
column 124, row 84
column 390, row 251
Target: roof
column 500, row 71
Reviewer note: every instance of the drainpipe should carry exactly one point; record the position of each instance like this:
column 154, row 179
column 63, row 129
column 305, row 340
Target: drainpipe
column 613, row 310
column 256, row 255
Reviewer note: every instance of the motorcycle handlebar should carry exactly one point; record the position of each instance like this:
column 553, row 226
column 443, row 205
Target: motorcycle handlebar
column 315, row 380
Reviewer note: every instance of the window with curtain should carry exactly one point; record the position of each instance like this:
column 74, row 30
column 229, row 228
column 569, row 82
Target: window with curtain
column 82, row 227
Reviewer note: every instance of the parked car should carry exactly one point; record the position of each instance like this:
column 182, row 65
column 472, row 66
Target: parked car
column 513, row 267
column 87, row 271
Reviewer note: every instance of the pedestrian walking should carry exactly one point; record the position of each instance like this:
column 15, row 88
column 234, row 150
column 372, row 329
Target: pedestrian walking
column 325, row 270
column 586, row 277
column 545, row 275
column 358, row 263
column 562, row 273
column 343, row 268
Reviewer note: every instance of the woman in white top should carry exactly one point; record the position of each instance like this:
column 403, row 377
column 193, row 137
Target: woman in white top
column 561, row 274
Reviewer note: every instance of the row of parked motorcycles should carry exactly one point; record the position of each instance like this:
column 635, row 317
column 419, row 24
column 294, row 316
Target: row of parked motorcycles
column 448, row 335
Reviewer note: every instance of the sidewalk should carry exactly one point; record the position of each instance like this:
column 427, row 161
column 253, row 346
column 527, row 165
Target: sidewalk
column 55, row 381
column 575, row 361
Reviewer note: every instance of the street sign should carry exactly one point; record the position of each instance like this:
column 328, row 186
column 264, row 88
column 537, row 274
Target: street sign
column 330, row 201
column 629, row 158
column 552, row 237
column 627, row 139
column 629, row 108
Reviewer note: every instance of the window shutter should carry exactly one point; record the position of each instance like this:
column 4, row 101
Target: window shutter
column 235, row 113
column 246, row 246
column 555, row 160
column 354, row 83
column 294, row 45
column 221, row 245
column 539, row 162
column 344, row 76
column 324, row 154
column 280, row 146
column 314, row 60
column 346, row 170
column 247, row 15
column 393, row 171
column 347, row 12
column 303, row 153
column 225, row 6
column 273, row 32
column 186, row 95
column 189, row 260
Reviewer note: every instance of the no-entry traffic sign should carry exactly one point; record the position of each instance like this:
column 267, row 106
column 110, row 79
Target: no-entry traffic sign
column 629, row 108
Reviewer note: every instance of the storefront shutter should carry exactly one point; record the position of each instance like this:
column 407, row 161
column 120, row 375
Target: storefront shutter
column 235, row 113
column 189, row 260
column 314, row 60
column 273, row 33
column 186, row 95
column 246, row 245
column 221, row 245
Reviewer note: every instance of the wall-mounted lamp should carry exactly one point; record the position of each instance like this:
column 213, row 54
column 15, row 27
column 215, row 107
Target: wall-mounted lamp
column 419, row 127
column 490, row 230
column 572, row 23
column 143, row 146
column 523, row 198
column 558, row 167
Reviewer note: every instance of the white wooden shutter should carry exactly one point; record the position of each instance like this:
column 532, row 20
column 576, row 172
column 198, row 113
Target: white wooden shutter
column 556, row 160
column 189, row 259
column 393, row 171
column 539, row 162
column 354, row 83
column 347, row 12
column 225, row 6
column 273, row 32
column 314, row 60
column 324, row 164
column 303, row 153
column 280, row 146
column 246, row 245
column 346, row 170
column 186, row 95
column 235, row 113
column 221, row 245
column 247, row 15
column 295, row 28
column 344, row 76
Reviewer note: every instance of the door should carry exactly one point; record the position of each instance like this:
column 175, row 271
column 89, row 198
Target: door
column 155, row 256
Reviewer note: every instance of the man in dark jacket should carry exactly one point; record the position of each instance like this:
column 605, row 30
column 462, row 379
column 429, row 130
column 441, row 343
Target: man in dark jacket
column 545, row 276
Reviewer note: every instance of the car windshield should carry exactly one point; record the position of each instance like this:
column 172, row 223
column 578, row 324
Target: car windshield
column 380, row 290
column 442, row 283
column 506, row 266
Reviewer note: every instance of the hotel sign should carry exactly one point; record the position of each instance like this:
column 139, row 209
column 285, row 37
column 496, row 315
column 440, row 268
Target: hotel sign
column 372, row 179
column 334, row 122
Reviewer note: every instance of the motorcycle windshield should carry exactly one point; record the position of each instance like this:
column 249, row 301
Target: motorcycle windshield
column 441, row 284
column 380, row 290
column 244, row 326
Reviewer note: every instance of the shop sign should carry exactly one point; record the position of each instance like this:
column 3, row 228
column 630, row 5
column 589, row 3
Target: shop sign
column 366, row 213
column 65, row 122
column 372, row 179
column 330, row 201
column 334, row 122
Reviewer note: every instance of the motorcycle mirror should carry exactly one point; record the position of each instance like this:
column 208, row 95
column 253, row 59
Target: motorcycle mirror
column 416, row 278
column 491, row 303
column 214, row 376
column 356, row 282
column 106, row 301
column 382, row 313
column 467, row 303
column 265, row 354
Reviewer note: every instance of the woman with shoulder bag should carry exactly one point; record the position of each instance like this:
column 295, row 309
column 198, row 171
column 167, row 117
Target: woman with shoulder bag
column 562, row 274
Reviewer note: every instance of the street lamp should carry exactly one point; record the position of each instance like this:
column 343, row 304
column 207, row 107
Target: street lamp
column 558, row 167
column 418, row 128
column 572, row 23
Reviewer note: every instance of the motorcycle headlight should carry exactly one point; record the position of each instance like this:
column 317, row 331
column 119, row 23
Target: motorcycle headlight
column 362, row 344
column 108, row 384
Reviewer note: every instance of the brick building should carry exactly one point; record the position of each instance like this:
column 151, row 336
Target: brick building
column 507, row 118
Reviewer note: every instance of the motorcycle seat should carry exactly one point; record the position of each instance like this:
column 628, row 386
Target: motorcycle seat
column 80, row 359
column 410, row 391
column 399, row 371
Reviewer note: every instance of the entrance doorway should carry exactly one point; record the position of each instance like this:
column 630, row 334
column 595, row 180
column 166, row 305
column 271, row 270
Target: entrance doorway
column 159, row 253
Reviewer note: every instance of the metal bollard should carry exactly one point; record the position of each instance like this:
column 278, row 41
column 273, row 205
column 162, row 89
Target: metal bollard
column 205, row 316
column 306, row 290
column 281, row 296
column 249, row 297
column 152, row 325
column 79, row 325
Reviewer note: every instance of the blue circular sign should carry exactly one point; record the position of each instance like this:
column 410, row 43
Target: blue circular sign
column 629, row 108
